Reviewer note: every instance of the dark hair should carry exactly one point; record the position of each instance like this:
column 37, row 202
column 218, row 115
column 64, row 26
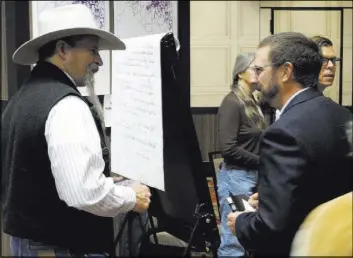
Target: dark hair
column 48, row 50
column 299, row 50
column 322, row 41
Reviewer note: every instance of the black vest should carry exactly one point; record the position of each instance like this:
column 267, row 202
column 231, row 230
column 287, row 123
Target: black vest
column 32, row 208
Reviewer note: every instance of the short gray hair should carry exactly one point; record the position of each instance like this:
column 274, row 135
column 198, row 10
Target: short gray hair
column 242, row 63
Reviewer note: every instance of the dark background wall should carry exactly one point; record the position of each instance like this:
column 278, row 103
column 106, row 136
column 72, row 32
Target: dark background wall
column 16, row 33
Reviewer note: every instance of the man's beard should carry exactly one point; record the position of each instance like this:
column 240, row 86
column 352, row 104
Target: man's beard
column 93, row 98
column 270, row 93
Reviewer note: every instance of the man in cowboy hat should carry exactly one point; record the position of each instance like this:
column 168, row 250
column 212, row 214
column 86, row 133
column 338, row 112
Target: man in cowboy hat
column 59, row 196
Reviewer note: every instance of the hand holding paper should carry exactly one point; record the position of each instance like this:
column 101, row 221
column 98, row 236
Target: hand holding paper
column 247, row 206
column 143, row 196
column 254, row 200
column 232, row 217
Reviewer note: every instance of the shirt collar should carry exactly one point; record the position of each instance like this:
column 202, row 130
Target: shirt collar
column 279, row 112
column 68, row 75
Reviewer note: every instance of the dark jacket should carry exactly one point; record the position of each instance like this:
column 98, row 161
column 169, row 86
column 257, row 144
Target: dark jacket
column 32, row 207
column 303, row 163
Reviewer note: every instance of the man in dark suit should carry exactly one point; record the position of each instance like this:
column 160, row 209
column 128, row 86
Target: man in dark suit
column 303, row 155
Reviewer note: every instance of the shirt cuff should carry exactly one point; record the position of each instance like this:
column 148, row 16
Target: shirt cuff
column 129, row 198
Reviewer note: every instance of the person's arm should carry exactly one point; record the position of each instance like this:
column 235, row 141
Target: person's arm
column 76, row 161
column 228, row 129
column 283, row 163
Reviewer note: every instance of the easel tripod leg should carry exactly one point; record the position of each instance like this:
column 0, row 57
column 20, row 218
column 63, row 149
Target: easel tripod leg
column 153, row 229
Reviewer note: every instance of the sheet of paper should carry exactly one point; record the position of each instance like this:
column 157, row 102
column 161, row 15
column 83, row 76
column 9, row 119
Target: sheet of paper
column 107, row 106
column 136, row 119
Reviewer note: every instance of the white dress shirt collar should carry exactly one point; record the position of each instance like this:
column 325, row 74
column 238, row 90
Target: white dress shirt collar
column 68, row 75
column 279, row 112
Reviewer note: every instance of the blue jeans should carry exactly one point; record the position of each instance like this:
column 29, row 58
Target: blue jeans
column 237, row 182
column 21, row 247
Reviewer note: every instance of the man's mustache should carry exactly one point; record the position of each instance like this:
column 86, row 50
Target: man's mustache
column 93, row 68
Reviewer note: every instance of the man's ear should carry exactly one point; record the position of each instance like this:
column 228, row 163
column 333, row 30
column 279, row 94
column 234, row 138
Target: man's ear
column 61, row 49
column 287, row 72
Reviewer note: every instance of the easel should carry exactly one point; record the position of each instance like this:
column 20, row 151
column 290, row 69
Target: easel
column 202, row 225
column 203, row 237
column 185, row 213
column 188, row 213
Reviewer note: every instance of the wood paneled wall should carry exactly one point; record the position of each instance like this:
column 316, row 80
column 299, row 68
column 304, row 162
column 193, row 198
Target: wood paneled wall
column 206, row 124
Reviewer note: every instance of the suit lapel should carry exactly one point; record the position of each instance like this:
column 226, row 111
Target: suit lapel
column 303, row 97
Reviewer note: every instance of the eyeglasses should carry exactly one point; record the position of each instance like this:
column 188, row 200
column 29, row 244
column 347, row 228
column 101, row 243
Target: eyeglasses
column 334, row 60
column 259, row 69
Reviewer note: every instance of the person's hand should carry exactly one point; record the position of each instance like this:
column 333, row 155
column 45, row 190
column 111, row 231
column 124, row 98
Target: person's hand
column 232, row 217
column 143, row 196
column 254, row 200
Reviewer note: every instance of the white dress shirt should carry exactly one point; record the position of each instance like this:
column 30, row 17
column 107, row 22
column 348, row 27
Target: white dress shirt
column 279, row 112
column 77, row 164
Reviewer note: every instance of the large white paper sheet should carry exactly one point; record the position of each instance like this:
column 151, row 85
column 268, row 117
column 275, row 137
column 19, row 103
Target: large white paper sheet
column 137, row 126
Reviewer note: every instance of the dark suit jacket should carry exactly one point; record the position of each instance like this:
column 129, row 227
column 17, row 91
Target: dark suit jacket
column 303, row 163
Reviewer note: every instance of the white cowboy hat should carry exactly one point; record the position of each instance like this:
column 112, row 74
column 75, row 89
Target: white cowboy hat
column 59, row 22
